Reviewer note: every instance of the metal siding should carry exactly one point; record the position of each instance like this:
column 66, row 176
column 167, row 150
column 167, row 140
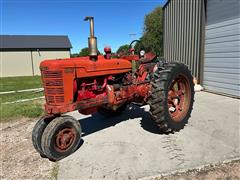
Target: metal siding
column 187, row 47
column 18, row 63
column 175, row 22
column 190, row 35
column 170, row 31
column 182, row 33
column 164, row 44
column 181, row 28
column 197, row 38
column 42, row 55
column 223, row 39
column 222, row 10
column 185, row 31
column 222, row 47
column 15, row 63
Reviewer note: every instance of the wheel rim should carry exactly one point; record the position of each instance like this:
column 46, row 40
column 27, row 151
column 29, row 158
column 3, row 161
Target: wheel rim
column 65, row 139
column 179, row 95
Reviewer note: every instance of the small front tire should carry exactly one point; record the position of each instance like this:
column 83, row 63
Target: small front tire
column 37, row 134
column 61, row 137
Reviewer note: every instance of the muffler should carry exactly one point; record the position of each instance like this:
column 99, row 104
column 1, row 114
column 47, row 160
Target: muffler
column 92, row 41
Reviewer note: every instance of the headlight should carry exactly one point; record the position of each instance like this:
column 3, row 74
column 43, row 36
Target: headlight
column 142, row 53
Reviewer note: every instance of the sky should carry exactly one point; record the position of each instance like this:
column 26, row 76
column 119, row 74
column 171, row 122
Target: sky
column 114, row 19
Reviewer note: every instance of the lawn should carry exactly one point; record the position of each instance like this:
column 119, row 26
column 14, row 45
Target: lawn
column 9, row 112
column 18, row 96
column 29, row 109
column 19, row 83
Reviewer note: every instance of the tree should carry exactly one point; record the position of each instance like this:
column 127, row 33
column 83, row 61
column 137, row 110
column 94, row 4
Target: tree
column 84, row 52
column 152, row 38
column 74, row 55
column 123, row 49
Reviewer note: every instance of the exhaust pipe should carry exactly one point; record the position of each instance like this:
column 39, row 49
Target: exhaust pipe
column 92, row 41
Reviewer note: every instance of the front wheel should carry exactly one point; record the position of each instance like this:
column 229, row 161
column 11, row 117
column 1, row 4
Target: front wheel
column 38, row 131
column 172, row 96
column 61, row 137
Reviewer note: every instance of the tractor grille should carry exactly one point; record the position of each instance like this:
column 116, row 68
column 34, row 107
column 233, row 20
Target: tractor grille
column 53, row 86
column 55, row 99
column 52, row 74
column 54, row 91
column 53, row 82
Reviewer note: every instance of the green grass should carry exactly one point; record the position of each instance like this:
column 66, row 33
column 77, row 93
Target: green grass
column 31, row 109
column 18, row 96
column 19, row 83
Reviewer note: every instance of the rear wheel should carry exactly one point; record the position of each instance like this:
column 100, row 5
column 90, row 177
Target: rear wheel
column 172, row 97
column 61, row 137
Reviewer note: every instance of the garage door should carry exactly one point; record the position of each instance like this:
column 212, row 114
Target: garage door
column 222, row 47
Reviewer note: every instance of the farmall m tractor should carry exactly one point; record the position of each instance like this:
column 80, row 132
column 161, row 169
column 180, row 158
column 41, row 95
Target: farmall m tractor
column 107, row 85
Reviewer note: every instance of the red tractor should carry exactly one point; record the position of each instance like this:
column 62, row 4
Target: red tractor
column 107, row 85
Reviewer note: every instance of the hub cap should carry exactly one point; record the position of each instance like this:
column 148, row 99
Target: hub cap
column 179, row 98
column 64, row 139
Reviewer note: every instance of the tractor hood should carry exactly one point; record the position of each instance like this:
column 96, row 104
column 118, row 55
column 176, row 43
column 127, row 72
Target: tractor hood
column 84, row 67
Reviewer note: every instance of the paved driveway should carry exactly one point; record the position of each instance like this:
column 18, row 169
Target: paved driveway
column 129, row 146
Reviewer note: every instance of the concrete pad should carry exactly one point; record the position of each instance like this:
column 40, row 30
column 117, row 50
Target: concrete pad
column 130, row 147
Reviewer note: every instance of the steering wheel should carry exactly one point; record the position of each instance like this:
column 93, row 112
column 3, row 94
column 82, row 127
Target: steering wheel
column 134, row 43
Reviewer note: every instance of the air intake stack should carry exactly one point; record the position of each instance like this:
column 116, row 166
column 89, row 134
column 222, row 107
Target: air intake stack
column 92, row 41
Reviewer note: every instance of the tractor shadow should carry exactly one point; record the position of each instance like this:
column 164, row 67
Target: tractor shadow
column 98, row 122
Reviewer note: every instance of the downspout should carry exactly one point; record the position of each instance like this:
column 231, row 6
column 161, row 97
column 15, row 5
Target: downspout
column 32, row 63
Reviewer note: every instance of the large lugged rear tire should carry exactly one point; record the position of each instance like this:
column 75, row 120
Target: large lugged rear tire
column 61, row 137
column 172, row 96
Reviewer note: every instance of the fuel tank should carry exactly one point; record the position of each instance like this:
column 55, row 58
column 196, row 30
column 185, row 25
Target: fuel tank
column 84, row 67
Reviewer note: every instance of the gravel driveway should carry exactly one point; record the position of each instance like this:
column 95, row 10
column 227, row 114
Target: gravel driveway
column 19, row 160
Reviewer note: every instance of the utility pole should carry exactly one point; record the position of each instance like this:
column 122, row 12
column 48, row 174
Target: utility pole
column 132, row 35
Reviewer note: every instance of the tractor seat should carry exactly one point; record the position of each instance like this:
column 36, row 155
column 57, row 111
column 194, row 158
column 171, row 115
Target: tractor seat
column 148, row 57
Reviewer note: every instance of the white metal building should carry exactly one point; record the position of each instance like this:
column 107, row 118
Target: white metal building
column 205, row 34
column 222, row 47
column 21, row 55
